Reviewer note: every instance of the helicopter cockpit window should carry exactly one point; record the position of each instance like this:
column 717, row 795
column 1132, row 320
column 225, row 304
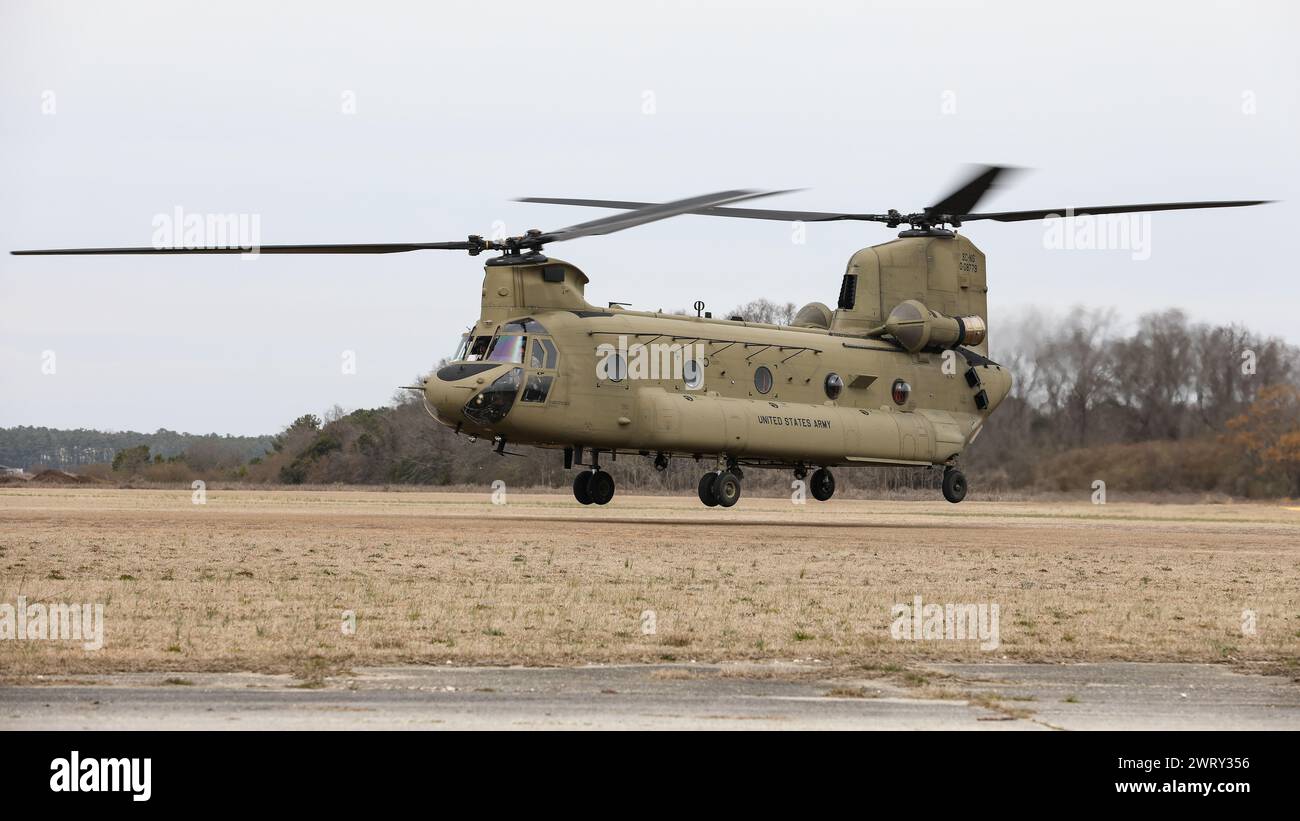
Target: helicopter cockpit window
column 462, row 350
column 493, row 403
column 544, row 354
column 507, row 349
column 527, row 325
column 478, row 348
column 537, row 387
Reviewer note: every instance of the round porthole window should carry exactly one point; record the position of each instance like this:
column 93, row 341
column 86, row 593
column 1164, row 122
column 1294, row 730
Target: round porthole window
column 762, row 379
column 834, row 386
column 900, row 391
column 614, row 367
column 693, row 374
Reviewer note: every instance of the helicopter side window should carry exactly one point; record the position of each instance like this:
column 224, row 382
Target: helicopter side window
column 537, row 388
column 479, row 348
column 693, row 374
column 543, row 355
column 507, row 349
column 612, row 367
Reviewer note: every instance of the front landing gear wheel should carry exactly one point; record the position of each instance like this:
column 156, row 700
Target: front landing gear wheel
column 707, row 483
column 582, row 487
column 601, row 487
column 954, row 485
column 822, row 484
column 726, row 489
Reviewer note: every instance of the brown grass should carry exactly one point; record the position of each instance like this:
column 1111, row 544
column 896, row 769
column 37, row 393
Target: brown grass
column 259, row 580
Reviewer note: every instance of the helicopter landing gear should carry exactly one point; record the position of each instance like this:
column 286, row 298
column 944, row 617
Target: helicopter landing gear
column 822, row 484
column 726, row 489
column 593, row 487
column 954, row 485
column 706, row 489
column 661, row 463
column 733, row 467
column 601, row 487
column 582, row 487
column 719, row 488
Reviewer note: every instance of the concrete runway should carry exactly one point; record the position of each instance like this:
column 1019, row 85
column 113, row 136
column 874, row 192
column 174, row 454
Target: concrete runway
column 1127, row 696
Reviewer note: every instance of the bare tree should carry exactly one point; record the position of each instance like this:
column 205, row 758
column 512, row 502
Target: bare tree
column 1073, row 370
column 763, row 310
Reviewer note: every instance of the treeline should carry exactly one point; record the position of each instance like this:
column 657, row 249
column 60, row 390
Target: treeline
column 1169, row 404
column 38, row 448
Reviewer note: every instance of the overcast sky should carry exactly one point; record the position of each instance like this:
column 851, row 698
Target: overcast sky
column 356, row 122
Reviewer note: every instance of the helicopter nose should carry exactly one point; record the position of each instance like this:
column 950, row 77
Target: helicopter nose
column 447, row 390
column 438, row 399
column 444, row 398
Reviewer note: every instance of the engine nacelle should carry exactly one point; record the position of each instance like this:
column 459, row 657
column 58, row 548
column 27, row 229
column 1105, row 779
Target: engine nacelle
column 917, row 328
column 813, row 315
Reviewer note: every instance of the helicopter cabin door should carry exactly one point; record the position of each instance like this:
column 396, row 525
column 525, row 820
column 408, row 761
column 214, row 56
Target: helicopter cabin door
column 543, row 369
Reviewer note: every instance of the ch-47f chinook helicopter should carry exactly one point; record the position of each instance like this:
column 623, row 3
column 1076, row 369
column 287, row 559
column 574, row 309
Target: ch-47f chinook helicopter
column 897, row 374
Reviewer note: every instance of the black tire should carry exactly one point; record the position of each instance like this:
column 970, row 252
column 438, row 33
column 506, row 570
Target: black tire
column 707, row 482
column 954, row 485
column 726, row 489
column 601, row 487
column 582, row 487
column 822, row 484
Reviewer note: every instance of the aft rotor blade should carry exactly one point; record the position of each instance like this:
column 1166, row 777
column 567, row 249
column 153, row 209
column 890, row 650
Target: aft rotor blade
column 1080, row 211
column 347, row 248
column 967, row 196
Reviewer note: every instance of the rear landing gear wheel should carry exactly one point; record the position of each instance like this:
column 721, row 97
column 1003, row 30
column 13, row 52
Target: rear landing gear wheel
column 601, row 487
column 954, row 485
column 582, row 487
column 707, row 483
column 822, row 484
column 726, row 489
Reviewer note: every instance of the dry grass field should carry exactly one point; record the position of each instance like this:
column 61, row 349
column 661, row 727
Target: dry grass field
column 259, row 580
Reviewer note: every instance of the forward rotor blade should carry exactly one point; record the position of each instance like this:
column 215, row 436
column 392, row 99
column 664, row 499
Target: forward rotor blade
column 1018, row 216
column 742, row 213
column 652, row 212
column 348, row 248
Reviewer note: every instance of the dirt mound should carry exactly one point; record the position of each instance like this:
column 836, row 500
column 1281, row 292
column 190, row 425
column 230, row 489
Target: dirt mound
column 60, row 477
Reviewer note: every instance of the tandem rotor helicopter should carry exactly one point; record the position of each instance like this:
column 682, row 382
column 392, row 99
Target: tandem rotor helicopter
column 897, row 374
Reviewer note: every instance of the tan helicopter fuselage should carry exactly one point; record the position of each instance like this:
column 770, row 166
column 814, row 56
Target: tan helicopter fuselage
column 607, row 379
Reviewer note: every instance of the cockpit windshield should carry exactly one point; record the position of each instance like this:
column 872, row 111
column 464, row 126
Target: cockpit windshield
column 472, row 349
column 527, row 325
column 462, row 349
column 507, row 349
